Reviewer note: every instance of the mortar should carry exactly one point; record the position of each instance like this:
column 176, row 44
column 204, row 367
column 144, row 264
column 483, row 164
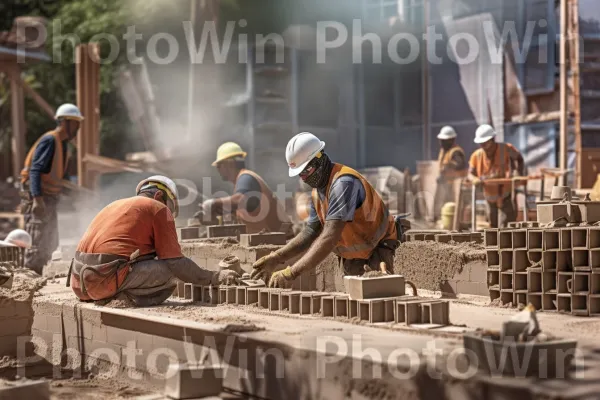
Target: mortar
column 550, row 359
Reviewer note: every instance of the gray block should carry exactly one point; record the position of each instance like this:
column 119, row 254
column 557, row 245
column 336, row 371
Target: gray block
column 26, row 390
column 185, row 381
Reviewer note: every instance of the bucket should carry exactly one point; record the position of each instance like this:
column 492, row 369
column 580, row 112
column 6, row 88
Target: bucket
column 448, row 215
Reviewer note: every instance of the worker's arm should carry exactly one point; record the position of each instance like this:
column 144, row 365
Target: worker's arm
column 517, row 161
column 188, row 271
column 300, row 243
column 40, row 164
column 230, row 204
column 320, row 249
column 458, row 161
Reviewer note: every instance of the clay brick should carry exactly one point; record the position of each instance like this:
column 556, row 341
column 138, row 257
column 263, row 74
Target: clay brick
column 306, row 303
column 99, row 333
column 39, row 322
column 594, row 305
column 595, row 283
column 581, row 283
column 565, row 239
column 594, row 237
column 327, row 306
column 253, row 255
column 190, row 232
column 506, row 280
column 520, row 281
column 435, row 312
column 477, row 237
column 99, row 350
column 563, row 303
column 564, row 282
column 7, row 307
column 491, row 238
column 579, row 238
column 340, row 308
column 521, row 260
column 119, row 337
column 493, row 278
column 547, row 213
column 461, row 237
column 216, row 231
column 231, row 296
column 493, row 258
column 187, row 381
column 443, row 238
column 513, row 225
column 494, row 294
column 293, row 301
column 250, row 240
column 564, row 261
column 464, row 274
column 252, row 296
column 519, row 239
column 505, row 239
column 551, row 239
column 352, row 308
column 548, row 301
column 579, row 305
column 429, row 237
column 359, row 288
column 506, row 260
column 222, row 295
column 581, row 260
column 15, row 327
column 274, row 301
column 549, row 260
column 389, row 310
column 241, row 295
column 413, row 313
column 263, row 298
column 534, row 281
column 315, row 304
column 549, row 280
column 535, row 239
column 520, row 297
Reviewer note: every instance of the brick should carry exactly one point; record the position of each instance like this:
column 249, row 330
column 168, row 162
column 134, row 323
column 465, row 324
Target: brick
column 581, row 260
column 252, row 295
column 565, row 239
column 463, row 274
column 100, row 350
column 187, row 291
column 443, row 238
column 505, row 239
column 216, row 231
column 231, row 297
column 461, row 237
column 257, row 239
column 315, row 304
column 305, row 304
column 493, row 278
column 26, row 390
column 478, row 272
column 359, row 288
column 547, row 213
column 190, row 232
column 594, row 238
column 15, row 327
column 493, row 258
column 519, row 239
column 180, row 289
column 263, row 298
column 435, row 312
column 535, row 239
column 475, row 288
column 253, row 255
column 352, row 308
column 548, row 301
column 579, row 305
column 187, row 381
column 119, row 337
column 581, row 283
column 39, row 322
column 327, row 306
column 521, row 260
column 563, row 303
column 564, row 282
column 241, row 295
column 520, row 297
column 477, row 237
column 274, row 301
column 549, row 280
column 594, row 305
column 535, row 299
column 99, row 333
column 197, row 293
column 506, row 280
column 340, row 307
column 389, row 312
column 579, row 238
column 490, row 238
column 506, row 260
column 551, row 239
column 520, row 281
column 534, row 281
column 293, row 301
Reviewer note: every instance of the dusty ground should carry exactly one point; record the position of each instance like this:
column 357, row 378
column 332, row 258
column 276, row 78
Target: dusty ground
column 416, row 261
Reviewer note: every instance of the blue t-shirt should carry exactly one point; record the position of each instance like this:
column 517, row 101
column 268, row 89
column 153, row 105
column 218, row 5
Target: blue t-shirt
column 346, row 196
column 42, row 163
column 250, row 188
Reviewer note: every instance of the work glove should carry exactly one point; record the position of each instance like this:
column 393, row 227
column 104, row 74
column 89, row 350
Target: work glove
column 205, row 215
column 264, row 267
column 39, row 207
column 225, row 278
column 476, row 181
column 282, row 279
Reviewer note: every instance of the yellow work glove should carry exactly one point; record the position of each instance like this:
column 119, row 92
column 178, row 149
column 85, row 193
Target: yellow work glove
column 476, row 181
column 281, row 279
column 264, row 267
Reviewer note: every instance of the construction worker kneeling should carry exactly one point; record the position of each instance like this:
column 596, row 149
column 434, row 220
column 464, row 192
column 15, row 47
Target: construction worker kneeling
column 253, row 201
column 495, row 161
column 347, row 216
column 131, row 249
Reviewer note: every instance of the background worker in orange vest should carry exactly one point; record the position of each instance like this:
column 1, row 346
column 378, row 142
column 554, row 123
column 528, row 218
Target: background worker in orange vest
column 453, row 167
column 130, row 250
column 496, row 160
column 347, row 217
column 253, row 201
column 41, row 185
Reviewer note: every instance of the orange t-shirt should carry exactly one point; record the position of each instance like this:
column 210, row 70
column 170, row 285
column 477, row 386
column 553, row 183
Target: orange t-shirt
column 134, row 223
column 499, row 167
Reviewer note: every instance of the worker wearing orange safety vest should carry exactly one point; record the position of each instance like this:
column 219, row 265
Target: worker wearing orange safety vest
column 493, row 161
column 452, row 166
column 347, row 217
column 41, row 183
column 253, row 201
column 130, row 250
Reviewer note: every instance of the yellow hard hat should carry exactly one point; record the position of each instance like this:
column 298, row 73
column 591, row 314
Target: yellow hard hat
column 228, row 150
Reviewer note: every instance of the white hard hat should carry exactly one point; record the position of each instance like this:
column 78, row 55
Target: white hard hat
column 18, row 238
column 165, row 184
column 69, row 111
column 301, row 149
column 447, row 132
column 484, row 133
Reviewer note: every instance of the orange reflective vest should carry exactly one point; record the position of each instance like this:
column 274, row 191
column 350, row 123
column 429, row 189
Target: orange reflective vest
column 497, row 168
column 444, row 160
column 372, row 221
column 270, row 214
column 51, row 182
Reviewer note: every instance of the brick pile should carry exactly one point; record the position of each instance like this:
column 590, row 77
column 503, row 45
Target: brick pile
column 403, row 310
column 476, row 237
column 554, row 269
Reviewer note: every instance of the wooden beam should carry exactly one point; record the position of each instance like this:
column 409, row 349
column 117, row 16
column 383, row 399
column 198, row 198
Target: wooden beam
column 564, row 112
column 39, row 100
column 18, row 122
column 576, row 85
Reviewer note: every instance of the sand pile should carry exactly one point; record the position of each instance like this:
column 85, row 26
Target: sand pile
column 429, row 264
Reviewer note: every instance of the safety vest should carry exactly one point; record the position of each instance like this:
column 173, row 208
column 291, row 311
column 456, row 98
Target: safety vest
column 372, row 221
column 497, row 168
column 52, row 181
column 270, row 214
column 444, row 159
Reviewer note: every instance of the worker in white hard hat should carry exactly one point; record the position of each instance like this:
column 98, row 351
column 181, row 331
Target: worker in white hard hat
column 41, row 183
column 253, row 202
column 347, row 217
column 130, row 250
column 492, row 161
column 453, row 168
column 17, row 238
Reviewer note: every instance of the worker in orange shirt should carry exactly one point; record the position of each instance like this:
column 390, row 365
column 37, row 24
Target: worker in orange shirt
column 131, row 249
column 453, row 167
column 347, row 217
column 253, row 201
column 493, row 161
column 41, row 184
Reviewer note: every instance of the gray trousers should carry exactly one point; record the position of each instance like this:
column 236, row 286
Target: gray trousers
column 43, row 231
column 384, row 252
column 151, row 282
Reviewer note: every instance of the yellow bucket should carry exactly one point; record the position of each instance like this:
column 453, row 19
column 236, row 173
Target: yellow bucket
column 448, row 215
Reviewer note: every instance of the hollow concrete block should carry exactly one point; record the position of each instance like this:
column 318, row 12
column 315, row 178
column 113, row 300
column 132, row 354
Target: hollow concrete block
column 188, row 291
column 263, row 298
column 252, row 296
column 189, row 381
column 241, row 295
column 563, row 302
column 327, row 306
column 435, row 312
column 579, row 305
column 222, row 295
column 26, row 390
column 443, row 238
column 315, row 303
column 216, row 231
column 594, row 305
column 197, row 292
column 340, row 308
column 181, row 289
column 352, row 308
column 490, row 238
column 257, row 239
column 190, row 232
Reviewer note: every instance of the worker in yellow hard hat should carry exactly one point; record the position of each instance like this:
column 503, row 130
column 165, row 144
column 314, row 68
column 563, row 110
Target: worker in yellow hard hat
column 253, row 202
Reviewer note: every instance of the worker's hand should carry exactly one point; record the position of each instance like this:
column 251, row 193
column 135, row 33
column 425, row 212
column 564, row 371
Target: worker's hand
column 263, row 268
column 205, row 215
column 476, row 181
column 281, row 279
column 226, row 277
column 39, row 207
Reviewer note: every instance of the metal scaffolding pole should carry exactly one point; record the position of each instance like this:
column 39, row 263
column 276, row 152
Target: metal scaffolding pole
column 564, row 111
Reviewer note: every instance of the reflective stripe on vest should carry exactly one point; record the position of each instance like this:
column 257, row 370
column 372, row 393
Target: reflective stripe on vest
column 51, row 182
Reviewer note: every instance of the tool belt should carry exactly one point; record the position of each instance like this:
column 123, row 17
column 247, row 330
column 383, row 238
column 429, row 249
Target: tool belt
column 99, row 276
